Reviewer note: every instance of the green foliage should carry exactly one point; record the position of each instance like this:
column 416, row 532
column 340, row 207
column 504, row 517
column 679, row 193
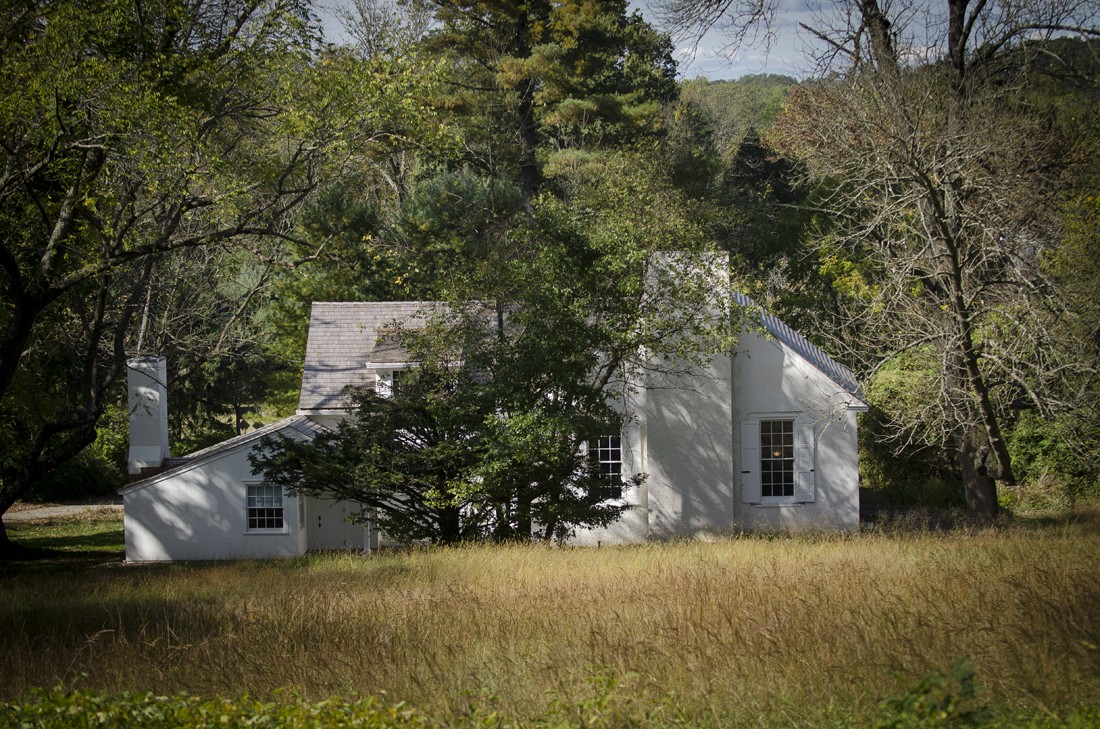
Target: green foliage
column 611, row 706
column 1075, row 267
column 735, row 107
column 534, row 80
column 894, row 467
column 1052, row 475
column 941, row 699
column 603, row 75
column 99, row 470
column 146, row 148
column 448, row 226
column 57, row 708
column 901, row 478
column 695, row 163
column 761, row 224
column 906, row 383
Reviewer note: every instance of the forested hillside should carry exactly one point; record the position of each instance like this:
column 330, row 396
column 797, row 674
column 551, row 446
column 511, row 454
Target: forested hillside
column 184, row 177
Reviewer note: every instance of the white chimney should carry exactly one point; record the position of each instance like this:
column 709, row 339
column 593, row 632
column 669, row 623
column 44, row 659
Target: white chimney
column 146, row 379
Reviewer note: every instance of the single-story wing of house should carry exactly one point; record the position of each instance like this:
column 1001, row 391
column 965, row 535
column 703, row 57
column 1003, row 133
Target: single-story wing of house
column 760, row 438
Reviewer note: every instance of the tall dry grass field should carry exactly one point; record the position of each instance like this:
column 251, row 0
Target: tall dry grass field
column 778, row 629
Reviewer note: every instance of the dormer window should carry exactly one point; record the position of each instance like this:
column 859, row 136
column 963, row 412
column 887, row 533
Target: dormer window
column 387, row 382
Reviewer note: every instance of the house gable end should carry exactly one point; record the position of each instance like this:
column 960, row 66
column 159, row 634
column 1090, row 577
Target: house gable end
column 296, row 424
column 792, row 342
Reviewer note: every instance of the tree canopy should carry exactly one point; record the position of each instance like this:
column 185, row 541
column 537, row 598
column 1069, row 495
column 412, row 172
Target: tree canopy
column 131, row 134
column 940, row 180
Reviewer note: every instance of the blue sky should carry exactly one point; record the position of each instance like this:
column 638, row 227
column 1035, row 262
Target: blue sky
column 784, row 51
column 711, row 56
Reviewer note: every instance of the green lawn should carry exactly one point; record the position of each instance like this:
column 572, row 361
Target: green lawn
column 997, row 626
column 93, row 538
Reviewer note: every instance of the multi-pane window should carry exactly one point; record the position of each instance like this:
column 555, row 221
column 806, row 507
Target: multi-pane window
column 606, row 453
column 265, row 506
column 777, row 458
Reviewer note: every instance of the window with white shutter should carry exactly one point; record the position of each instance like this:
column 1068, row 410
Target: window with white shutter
column 777, row 460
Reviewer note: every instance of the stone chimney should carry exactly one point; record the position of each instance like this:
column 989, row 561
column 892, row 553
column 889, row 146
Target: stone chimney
column 146, row 379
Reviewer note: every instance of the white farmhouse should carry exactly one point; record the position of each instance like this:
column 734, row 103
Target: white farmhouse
column 762, row 438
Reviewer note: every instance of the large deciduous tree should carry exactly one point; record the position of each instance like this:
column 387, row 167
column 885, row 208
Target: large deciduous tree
column 129, row 131
column 941, row 185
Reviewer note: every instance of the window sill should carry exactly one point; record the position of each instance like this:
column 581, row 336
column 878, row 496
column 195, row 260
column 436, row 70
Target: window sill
column 774, row 504
column 265, row 532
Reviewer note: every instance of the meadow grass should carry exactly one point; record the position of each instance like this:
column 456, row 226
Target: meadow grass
column 778, row 630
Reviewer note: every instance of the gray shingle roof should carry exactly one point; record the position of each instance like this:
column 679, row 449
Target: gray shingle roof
column 345, row 339
column 775, row 326
column 301, row 423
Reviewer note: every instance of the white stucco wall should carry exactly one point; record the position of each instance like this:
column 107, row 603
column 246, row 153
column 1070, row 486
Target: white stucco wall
column 772, row 380
column 690, row 443
column 200, row 513
column 684, row 432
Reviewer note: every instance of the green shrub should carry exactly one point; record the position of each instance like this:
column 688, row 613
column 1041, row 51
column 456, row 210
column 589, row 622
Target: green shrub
column 940, row 699
column 78, row 709
column 1050, row 474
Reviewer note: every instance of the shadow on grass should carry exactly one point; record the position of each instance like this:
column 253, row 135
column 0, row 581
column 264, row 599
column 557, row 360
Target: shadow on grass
column 60, row 545
column 947, row 520
column 1084, row 517
column 108, row 540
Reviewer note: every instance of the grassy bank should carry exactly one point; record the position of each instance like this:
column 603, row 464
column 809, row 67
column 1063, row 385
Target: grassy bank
column 785, row 630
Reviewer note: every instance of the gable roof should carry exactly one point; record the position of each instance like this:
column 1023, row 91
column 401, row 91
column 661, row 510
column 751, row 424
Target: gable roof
column 300, row 423
column 348, row 341
column 778, row 329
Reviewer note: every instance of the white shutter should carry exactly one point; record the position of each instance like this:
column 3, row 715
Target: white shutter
column 804, row 487
column 750, row 462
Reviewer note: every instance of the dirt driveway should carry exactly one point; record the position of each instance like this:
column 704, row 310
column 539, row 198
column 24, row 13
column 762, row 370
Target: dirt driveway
column 27, row 512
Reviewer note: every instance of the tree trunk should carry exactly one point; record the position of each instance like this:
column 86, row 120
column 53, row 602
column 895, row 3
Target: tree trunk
column 530, row 176
column 523, row 516
column 450, row 525
column 10, row 492
column 7, row 547
column 17, row 334
column 979, row 485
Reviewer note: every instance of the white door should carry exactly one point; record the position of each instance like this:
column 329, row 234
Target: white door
column 327, row 525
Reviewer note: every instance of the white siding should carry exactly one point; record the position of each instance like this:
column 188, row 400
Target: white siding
column 770, row 379
column 690, row 448
column 199, row 513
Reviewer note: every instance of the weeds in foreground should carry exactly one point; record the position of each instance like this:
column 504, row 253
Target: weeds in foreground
column 783, row 630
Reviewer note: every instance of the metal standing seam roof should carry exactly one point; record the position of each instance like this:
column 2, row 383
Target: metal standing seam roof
column 301, row 423
column 828, row 366
column 344, row 338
